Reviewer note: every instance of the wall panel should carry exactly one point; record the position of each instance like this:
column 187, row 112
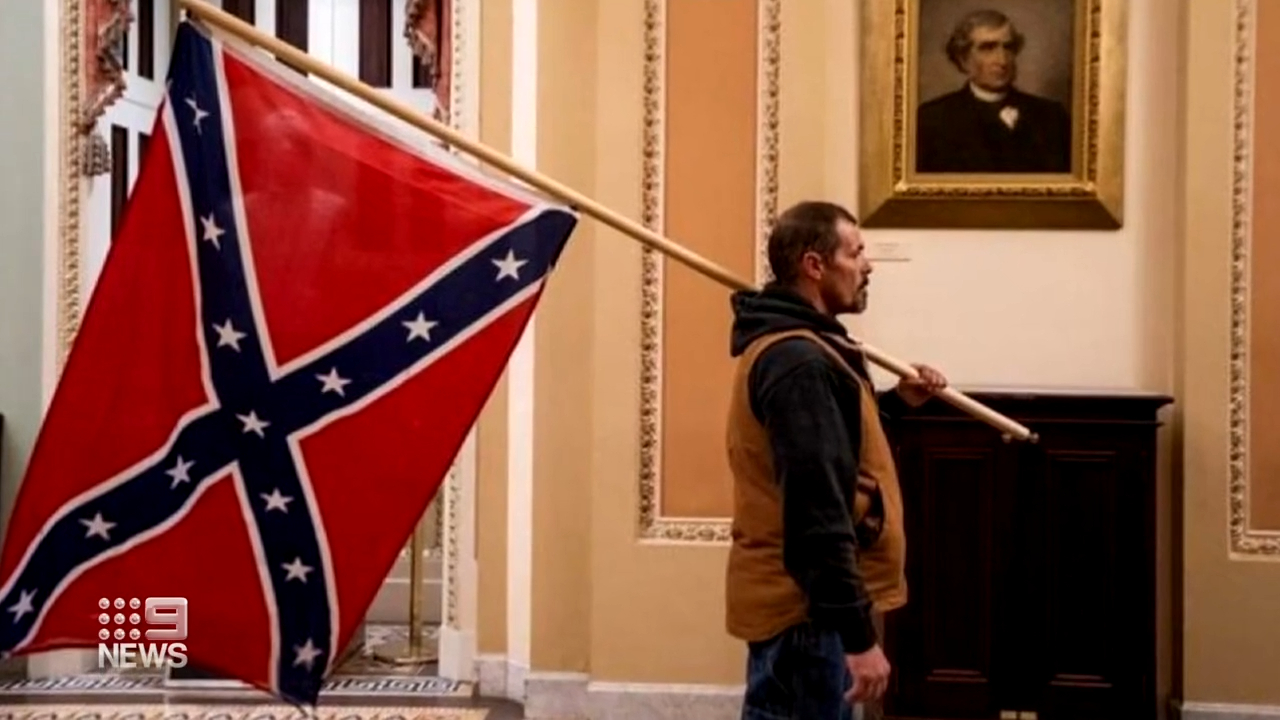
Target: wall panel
column 710, row 184
column 710, row 202
column 1229, row 578
column 1260, row 258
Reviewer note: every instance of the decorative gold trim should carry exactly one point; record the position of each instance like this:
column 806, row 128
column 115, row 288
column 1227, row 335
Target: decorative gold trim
column 460, row 120
column 1244, row 540
column 435, row 524
column 457, row 65
column 452, row 491
column 653, row 526
column 891, row 195
column 767, row 157
column 81, row 152
column 651, row 269
column 71, row 151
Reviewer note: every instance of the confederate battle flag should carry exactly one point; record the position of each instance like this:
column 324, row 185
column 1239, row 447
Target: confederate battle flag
column 298, row 322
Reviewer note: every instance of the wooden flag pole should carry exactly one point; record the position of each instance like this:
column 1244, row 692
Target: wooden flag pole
column 304, row 62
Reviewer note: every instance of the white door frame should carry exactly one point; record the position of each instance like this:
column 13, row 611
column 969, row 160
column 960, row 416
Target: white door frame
column 457, row 643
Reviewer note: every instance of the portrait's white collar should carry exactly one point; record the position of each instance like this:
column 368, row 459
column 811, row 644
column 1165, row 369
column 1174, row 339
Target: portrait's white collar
column 986, row 95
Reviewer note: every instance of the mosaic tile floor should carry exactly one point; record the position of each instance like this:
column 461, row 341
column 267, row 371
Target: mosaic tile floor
column 233, row 712
column 364, row 687
column 153, row 687
column 364, row 658
column 362, row 676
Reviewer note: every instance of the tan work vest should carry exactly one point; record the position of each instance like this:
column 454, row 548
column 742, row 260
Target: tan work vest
column 762, row 599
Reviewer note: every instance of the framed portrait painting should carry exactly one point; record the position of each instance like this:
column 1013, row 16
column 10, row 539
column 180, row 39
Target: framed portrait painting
column 993, row 113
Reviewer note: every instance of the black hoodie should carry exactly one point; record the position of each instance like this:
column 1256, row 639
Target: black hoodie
column 812, row 411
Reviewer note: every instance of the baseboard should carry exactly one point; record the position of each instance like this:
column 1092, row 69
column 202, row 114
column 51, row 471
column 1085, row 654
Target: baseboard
column 637, row 701
column 1227, row 711
column 574, row 695
column 498, row 677
column 60, row 663
column 556, row 695
column 457, row 654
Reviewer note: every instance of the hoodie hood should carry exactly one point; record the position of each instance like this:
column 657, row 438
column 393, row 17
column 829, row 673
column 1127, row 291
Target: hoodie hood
column 771, row 310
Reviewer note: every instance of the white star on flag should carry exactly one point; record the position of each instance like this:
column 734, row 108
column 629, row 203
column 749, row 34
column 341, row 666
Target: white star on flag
column 420, row 327
column 24, row 604
column 199, row 114
column 97, row 526
column 276, row 501
column 211, row 231
column 306, row 654
column 228, row 336
column 179, row 472
column 253, row 424
column 333, row 382
column 509, row 266
column 296, row 570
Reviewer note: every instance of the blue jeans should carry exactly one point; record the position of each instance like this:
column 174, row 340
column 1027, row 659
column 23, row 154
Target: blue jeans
column 800, row 674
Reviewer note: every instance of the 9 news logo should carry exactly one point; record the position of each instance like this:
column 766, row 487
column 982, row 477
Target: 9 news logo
column 162, row 622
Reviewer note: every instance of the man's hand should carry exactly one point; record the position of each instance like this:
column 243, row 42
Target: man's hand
column 916, row 391
column 870, row 672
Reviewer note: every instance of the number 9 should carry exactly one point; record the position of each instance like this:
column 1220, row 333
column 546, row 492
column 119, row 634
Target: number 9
column 167, row 611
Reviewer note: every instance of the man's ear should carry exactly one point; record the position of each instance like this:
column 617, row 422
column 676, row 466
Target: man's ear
column 811, row 265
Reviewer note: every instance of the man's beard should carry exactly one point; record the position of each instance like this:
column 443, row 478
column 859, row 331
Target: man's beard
column 860, row 298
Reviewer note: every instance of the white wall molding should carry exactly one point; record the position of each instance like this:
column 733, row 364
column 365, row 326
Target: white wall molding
column 524, row 150
column 1228, row 711
column 53, row 99
column 560, row 695
column 556, row 695
column 499, row 677
column 575, row 696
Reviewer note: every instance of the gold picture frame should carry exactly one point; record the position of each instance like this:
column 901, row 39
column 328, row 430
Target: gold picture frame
column 891, row 191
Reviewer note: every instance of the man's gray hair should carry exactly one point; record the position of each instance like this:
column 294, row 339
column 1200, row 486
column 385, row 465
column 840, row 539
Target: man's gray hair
column 961, row 40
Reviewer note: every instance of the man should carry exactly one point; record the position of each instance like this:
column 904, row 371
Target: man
column 817, row 529
column 989, row 125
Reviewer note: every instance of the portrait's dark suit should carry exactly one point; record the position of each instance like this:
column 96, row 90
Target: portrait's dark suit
column 959, row 133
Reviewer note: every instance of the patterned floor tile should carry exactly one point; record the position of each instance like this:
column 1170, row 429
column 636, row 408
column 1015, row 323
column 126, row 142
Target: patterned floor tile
column 377, row 688
column 367, row 657
column 232, row 712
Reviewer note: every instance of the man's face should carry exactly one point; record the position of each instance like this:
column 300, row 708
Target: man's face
column 845, row 277
column 992, row 63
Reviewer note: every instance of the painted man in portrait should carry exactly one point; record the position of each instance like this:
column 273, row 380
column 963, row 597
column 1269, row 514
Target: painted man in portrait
column 988, row 125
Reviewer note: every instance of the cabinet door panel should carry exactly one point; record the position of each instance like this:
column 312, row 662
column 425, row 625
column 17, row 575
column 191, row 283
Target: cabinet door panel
column 1090, row 604
column 945, row 642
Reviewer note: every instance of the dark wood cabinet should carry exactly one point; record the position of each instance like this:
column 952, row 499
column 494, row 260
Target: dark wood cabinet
column 1031, row 567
